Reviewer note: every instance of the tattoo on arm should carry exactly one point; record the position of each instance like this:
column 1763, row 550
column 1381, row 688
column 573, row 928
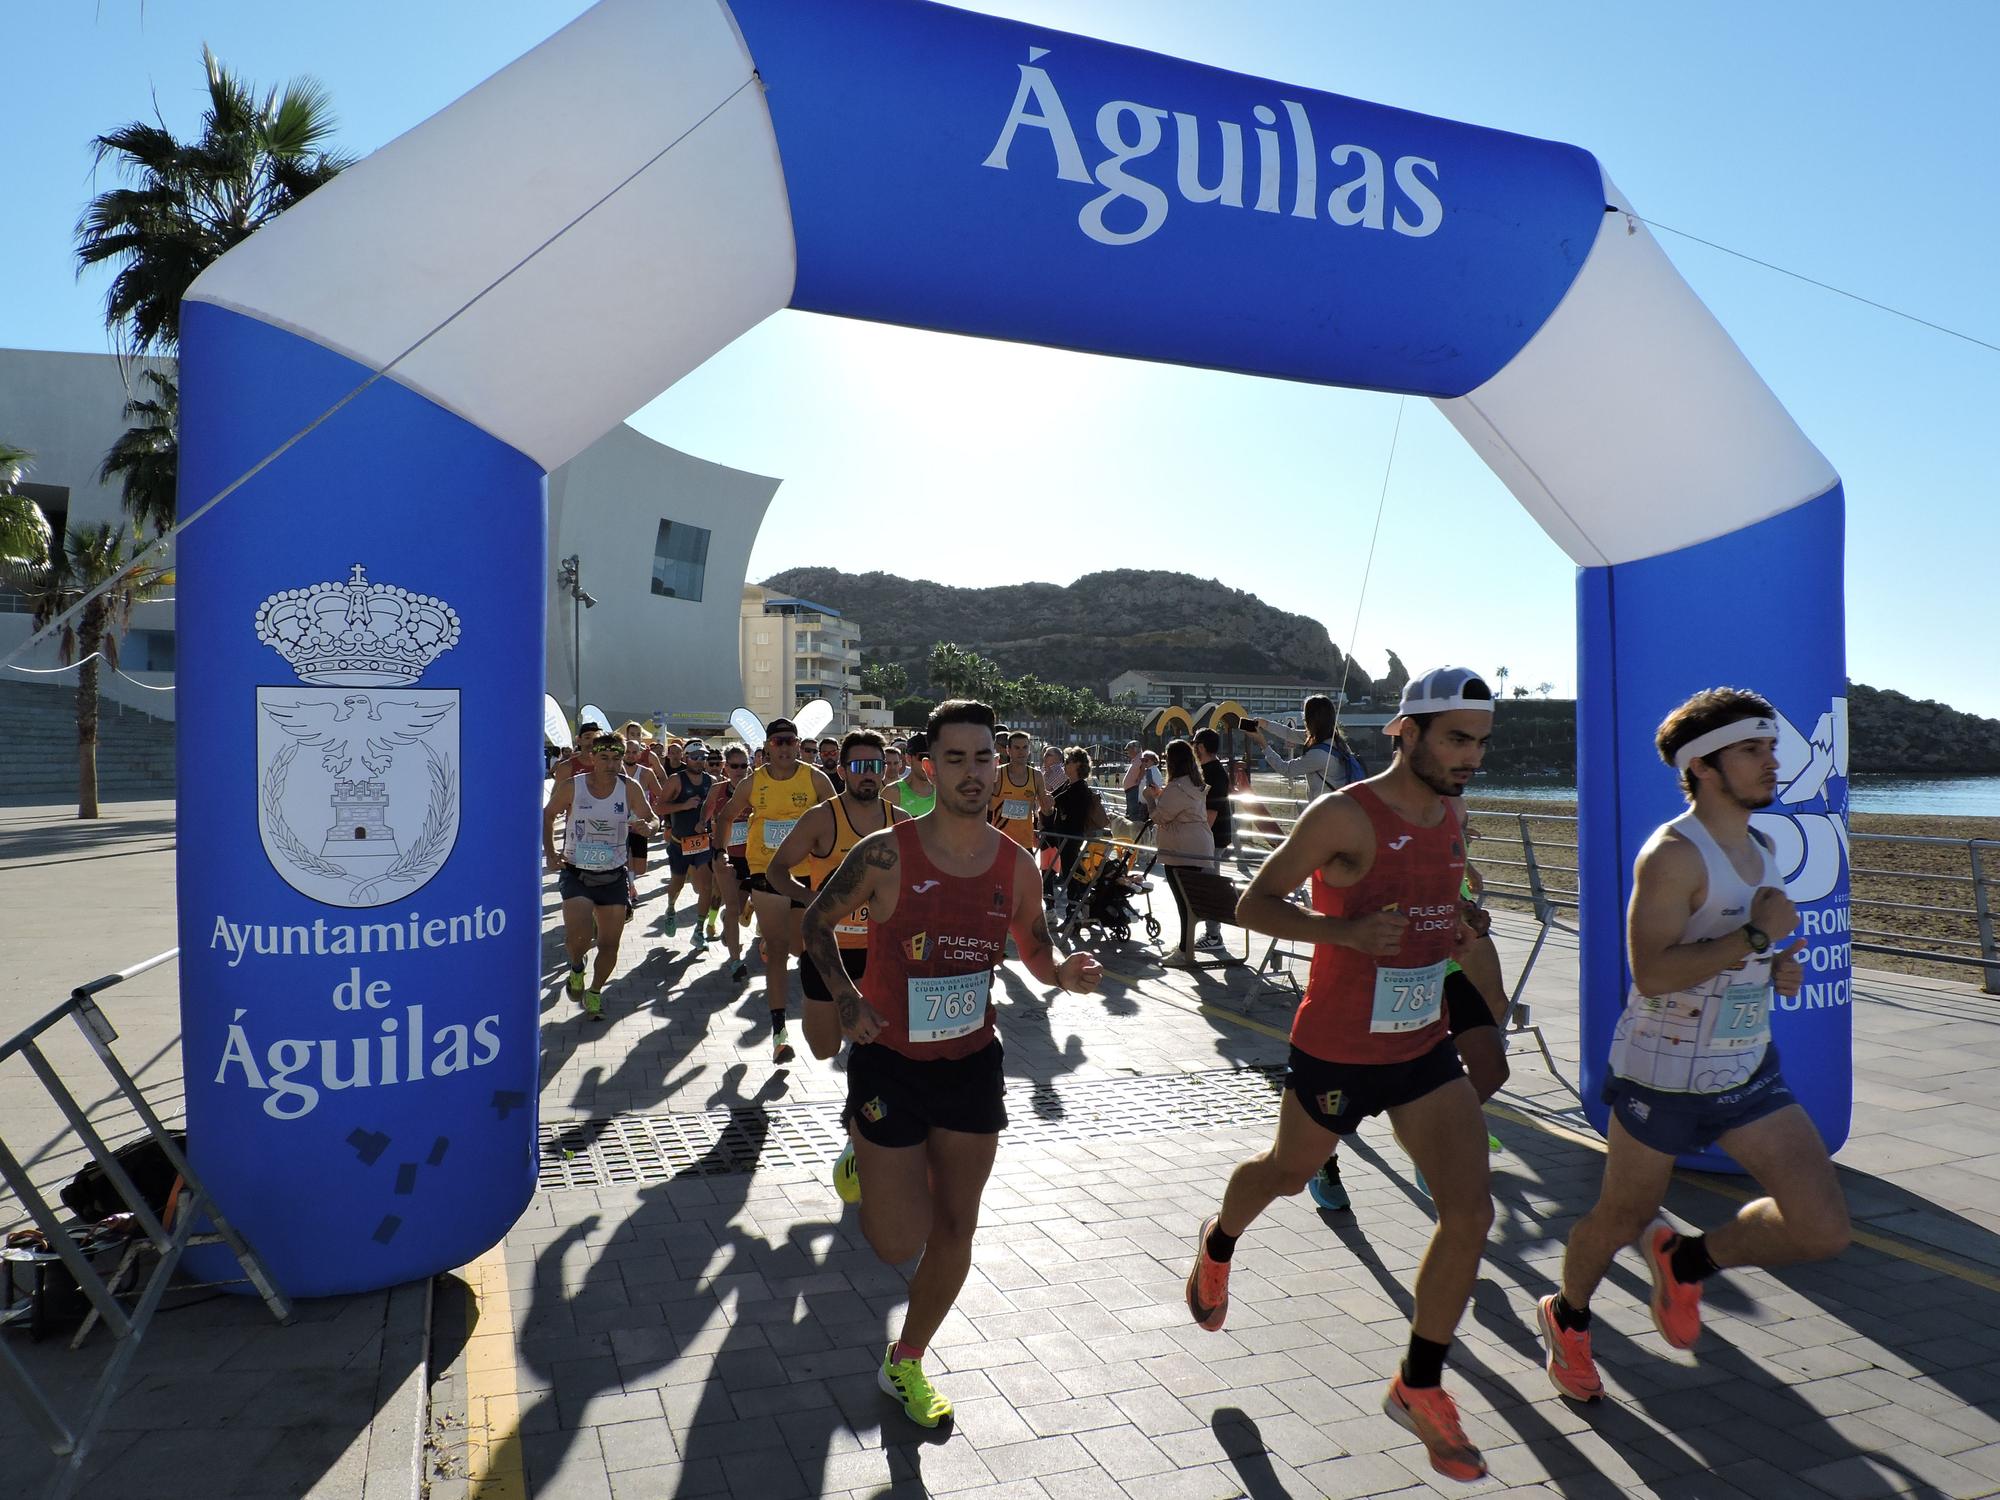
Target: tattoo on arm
column 842, row 893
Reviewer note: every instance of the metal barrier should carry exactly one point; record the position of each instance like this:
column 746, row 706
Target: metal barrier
column 191, row 1206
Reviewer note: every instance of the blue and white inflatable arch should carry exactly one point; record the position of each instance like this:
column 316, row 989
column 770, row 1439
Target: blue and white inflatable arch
column 359, row 890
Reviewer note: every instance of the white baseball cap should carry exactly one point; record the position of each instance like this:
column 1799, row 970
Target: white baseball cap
column 1440, row 691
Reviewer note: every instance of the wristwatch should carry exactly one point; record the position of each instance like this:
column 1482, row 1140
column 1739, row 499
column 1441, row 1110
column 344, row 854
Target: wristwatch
column 1757, row 937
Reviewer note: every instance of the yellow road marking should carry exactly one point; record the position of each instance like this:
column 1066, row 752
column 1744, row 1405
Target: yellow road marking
column 492, row 1406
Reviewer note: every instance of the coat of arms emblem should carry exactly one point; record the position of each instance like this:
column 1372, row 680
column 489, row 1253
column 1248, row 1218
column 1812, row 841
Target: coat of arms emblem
column 357, row 768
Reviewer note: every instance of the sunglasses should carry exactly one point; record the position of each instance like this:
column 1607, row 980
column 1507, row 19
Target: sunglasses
column 865, row 767
column 781, row 739
column 739, row 765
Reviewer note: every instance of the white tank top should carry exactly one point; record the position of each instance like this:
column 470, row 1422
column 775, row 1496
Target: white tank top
column 594, row 836
column 1711, row 1038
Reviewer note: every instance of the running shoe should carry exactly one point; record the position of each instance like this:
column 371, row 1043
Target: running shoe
column 575, row 982
column 700, row 938
column 1571, row 1369
column 713, row 913
column 781, row 1046
column 1208, row 1284
column 905, row 1380
column 847, row 1176
column 741, row 972
column 1209, row 940
column 1493, row 1143
column 593, row 1005
column 1327, row 1189
column 1433, row 1417
column 1417, row 1172
column 673, row 924
column 1676, row 1303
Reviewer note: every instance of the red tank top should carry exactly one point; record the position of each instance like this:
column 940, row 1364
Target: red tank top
column 930, row 966
column 1354, row 1009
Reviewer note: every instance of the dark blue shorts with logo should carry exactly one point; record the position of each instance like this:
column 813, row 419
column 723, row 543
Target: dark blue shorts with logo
column 1683, row 1124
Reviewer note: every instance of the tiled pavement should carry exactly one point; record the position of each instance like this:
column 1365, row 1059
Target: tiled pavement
column 701, row 1332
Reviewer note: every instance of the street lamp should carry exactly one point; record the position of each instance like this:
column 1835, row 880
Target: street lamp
column 569, row 578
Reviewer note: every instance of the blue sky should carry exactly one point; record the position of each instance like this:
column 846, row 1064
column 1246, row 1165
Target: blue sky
column 1845, row 141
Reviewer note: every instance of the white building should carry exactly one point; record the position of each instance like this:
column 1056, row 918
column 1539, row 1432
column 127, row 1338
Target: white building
column 1260, row 696
column 662, row 541
column 794, row 651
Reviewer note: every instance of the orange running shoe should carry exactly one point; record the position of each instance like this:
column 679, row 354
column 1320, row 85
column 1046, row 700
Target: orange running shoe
column 1571, row 1369
column 1208, row 1284
column 1676, row 1303
column 1433, row 1417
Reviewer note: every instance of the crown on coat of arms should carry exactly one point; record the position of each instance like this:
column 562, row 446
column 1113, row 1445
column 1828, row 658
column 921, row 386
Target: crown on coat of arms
column 357, row 633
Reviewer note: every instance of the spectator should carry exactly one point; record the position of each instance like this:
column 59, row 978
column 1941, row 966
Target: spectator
column 1052, row 768
column 1183, row 819
column 1215, row 780
column 1135, row 810
column 1078, row 812
column 1152, row 781
column 1327, row 763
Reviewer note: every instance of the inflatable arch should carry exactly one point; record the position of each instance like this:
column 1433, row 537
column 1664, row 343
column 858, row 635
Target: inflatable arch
column 1171, row 722
column 390, row 370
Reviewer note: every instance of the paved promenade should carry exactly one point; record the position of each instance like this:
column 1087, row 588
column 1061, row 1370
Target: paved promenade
column 687, row 1309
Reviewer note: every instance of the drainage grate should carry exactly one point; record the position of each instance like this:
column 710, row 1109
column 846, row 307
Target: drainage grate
column 652, row 1148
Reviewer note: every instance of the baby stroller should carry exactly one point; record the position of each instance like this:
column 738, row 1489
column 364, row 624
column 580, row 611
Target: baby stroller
column 1101, row 886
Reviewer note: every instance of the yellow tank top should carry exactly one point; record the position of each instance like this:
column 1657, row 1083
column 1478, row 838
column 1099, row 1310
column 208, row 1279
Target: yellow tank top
column 1014, row 806
column 815, row 871
column 775, row 807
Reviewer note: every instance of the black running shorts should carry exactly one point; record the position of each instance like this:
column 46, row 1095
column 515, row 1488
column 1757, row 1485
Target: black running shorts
column 854, row 960
column 895, row 1100
column 1339, row 1096
column 572, row 886
column 740, row 868
column 1464, row 1007
column 635, row 844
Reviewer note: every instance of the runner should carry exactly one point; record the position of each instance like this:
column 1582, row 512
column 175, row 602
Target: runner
column 916, row 793
column 817, row 846
column 776, row 796
column 1018, row 794
column 897, row 765
column 598, row 810
column 1383, row 859
column 689, row 851
column 1475, row 1003
column 732, row 872
column 1692, row 1064
column 925, row 1101
column 829, row 761
column 579, row 762
column 640, row 769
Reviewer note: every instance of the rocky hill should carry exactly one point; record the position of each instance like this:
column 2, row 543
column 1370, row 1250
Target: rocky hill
column 1083, row 634
column 1890, row 732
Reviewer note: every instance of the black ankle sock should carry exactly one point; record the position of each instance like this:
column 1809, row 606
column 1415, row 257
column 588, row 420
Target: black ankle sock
column 1332, row 1165
column 1573, row 1319
column 777, row 1020
column 1220, row 1246
column 1690, row 1260
column 1423, row 1366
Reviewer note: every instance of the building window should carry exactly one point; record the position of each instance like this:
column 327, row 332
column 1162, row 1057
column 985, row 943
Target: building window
column 148, row 651
column 680, row 560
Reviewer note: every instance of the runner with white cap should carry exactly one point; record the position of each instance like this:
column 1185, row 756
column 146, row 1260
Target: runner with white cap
column 1692, row 1065
column 1383, row 859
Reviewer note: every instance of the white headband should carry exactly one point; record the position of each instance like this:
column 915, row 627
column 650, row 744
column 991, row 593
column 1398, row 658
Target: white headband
column 1728, row 734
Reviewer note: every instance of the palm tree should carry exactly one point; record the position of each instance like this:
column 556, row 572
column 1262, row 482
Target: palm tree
column 186, row 203
column 54, row 583
column 24, row 530
column 147, row 457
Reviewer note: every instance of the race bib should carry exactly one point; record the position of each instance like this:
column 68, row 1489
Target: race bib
column 694, row 843
column 948, row 1005
column 597, row 845
column 739, row 833
column 1407, row 999
column 1743, row 1011
column 1016, row 809
column 775, row 830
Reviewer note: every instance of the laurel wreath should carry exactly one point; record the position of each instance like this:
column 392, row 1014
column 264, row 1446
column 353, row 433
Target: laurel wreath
column 281, row 831
column 432, row 844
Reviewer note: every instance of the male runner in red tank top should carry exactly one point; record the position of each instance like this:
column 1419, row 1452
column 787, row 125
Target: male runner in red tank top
column 1383, row 859
column 925, row 1100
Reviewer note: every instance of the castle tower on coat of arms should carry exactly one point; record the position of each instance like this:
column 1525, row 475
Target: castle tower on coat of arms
column 360, row 822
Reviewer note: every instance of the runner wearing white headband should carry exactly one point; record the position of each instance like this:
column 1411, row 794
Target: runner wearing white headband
column 1692, row 1063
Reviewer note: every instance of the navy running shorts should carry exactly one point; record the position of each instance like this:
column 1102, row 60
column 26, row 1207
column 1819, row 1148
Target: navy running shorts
column 1683, row 1124
column 1339, row 1096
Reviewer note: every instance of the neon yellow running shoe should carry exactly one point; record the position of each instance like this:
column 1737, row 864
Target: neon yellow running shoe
column 906, row 1381
column 593, row 1005
column 847, row 1176
column 1493, row 1143
column 575, row 982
